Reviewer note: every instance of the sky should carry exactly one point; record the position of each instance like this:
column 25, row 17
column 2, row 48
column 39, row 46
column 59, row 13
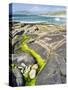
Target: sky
column 35, row 8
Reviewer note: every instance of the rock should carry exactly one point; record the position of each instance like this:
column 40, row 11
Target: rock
column 62, row 51
column 63, row 79
column 16, row 78
column 32, row 74
column 61, row 63
column 55, row 70
column 26, row 71
column 22, row 71
column 23, row 58
column 51, row 73
column 23, row 65
column 54, row 79
column 39, row 49
column 35, row 66
column 19, row 67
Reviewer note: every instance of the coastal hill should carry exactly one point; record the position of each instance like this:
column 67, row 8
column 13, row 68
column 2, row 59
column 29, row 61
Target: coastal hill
column 55, row 13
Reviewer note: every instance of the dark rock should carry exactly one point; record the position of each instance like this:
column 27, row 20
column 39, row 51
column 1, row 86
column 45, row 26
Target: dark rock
column 51, row 72
column 23, row 58
column 40, row 50
column 62, row 51
column 61, row 63
column 16, row 78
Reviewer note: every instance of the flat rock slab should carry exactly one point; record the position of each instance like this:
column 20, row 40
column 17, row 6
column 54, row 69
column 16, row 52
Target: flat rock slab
column 23, row 58
column 39, row 49
column 62, row 51
column 51, row 73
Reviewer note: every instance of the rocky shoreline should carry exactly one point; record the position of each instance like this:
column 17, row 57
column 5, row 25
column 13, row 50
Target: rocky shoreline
column 49, row 41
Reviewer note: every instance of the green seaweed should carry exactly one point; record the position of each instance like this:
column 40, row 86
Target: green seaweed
column 41, row 63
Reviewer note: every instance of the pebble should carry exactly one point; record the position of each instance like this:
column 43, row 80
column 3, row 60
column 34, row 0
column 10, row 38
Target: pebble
column 35, row 66
column 32, row 74
column 22, row 64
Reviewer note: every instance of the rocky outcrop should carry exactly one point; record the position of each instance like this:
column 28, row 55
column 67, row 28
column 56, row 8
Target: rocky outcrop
column 49, row 41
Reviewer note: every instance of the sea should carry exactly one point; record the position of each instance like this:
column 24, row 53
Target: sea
column 38, row 19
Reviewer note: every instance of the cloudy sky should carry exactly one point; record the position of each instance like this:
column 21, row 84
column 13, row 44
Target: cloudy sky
column 35, row 8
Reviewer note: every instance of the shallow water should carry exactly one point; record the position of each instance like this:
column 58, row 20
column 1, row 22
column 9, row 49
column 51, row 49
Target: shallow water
column 38, row 19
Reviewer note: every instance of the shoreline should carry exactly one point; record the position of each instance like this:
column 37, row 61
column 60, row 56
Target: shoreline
column 42, row 23
column 57, row 16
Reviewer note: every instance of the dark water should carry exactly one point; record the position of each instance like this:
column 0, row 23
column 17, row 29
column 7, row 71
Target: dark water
column 39, row 19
